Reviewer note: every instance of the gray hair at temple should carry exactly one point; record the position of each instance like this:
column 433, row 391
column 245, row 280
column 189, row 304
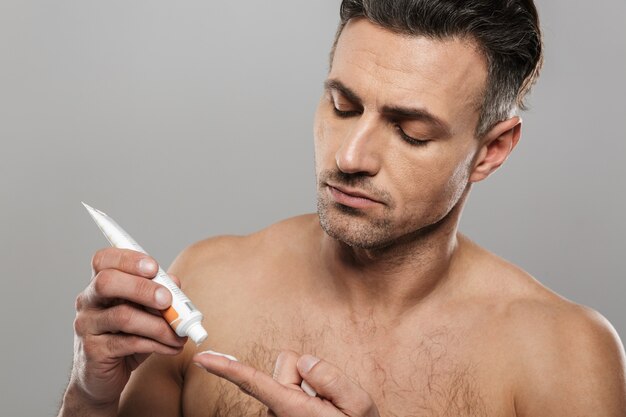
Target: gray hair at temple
column 507, row 31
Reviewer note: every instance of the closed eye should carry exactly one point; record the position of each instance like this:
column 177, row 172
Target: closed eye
column 345, row 113
column 409, row 139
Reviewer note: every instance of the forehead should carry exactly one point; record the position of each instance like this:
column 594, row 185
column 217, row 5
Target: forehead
column 385, row 68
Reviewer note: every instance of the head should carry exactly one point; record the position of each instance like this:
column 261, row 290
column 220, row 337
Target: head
column 420, row 102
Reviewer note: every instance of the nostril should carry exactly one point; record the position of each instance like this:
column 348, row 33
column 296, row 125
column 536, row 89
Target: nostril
column 357, row 163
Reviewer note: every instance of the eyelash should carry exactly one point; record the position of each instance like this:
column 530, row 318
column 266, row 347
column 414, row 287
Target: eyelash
column 410, row 140
column 345, row 114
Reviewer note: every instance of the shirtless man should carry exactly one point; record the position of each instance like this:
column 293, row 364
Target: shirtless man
column 377, row 301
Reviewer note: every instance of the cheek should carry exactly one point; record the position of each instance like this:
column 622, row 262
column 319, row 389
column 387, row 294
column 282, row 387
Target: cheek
column 325, row 135
column 319, row 136
column 429, row 181
column 454, row 183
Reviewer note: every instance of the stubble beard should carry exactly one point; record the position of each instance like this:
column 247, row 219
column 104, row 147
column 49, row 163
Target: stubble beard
column 353, row 226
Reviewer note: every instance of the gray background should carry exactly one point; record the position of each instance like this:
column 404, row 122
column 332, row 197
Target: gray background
column 193, row 118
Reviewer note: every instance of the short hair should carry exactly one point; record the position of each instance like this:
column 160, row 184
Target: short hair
column 506, row 31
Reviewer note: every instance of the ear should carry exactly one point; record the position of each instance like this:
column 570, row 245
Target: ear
column 495, row 148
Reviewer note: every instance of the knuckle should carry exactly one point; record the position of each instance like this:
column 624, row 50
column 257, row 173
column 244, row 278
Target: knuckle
column 330, row 381
column 98, row 258
column 80, row 302
column 121, row 316
column 248, row 388
column 295, row 398
column 79, row 325
column 102, row 280
column 247, row 385
column 90, row 348
column 112, row 344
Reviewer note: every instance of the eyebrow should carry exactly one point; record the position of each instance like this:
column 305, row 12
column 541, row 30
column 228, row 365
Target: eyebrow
column 332, row 84
column 405, row 113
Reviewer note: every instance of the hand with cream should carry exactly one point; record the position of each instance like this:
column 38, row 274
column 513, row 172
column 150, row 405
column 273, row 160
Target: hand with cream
column 301, row 386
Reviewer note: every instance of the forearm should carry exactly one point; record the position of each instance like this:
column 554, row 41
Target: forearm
column 75, row 404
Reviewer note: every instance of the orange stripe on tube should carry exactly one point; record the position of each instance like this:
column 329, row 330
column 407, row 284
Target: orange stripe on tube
column 171, row 316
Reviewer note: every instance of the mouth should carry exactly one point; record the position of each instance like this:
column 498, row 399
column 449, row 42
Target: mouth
column 351, row 197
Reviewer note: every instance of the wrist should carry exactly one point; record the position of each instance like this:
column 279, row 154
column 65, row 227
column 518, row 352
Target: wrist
column 76, row 403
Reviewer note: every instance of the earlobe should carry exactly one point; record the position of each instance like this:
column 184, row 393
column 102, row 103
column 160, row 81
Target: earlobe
column 497, row 145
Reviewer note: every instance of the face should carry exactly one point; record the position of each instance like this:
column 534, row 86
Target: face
column 394, row 133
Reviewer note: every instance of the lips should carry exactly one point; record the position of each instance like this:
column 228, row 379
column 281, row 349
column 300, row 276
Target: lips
column 352, row 197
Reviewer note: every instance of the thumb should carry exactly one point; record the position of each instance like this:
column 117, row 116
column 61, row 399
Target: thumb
column 332, row 384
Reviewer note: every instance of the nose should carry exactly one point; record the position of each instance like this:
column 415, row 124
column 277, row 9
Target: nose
column 359, row 152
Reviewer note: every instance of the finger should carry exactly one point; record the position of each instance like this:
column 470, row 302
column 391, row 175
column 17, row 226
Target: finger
column 285, row 369
column 286, row 372
column 126, row 260
column 306, row 387
column 110, row 284
column 331, row 383
column 282, row 400
column 157, row 312
column 121, row 345
column 129, row 319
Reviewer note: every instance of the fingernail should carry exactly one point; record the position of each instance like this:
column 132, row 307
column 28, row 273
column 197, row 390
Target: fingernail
column 223, row 355
column 162, row 297
column 308, row 389
column 307, row 362
column 147, row 266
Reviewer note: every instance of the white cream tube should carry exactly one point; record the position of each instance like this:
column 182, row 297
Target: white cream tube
column 182, row 315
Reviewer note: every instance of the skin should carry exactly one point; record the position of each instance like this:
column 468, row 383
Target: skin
column 380, row 304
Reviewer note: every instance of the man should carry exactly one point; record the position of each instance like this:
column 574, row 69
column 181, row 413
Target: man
column 377, row 302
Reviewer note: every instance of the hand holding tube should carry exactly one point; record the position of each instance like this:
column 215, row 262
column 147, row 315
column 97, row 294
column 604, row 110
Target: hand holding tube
column 182, row 315
column 114, row 332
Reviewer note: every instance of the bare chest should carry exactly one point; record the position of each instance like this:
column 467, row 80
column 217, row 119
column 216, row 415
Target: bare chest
column 437, row 373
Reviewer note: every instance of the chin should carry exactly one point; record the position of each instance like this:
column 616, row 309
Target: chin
column 354, row 227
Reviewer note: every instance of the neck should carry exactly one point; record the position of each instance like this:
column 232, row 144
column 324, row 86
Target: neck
column 395, row 279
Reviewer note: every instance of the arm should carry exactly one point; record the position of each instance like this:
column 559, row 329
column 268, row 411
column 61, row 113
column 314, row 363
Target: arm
column 578, row 372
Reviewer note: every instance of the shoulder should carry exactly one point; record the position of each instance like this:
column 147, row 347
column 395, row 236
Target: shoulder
column 569, row 358
column 563, row 358
column 232, row 254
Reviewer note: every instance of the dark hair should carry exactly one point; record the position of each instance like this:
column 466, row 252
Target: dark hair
column 507, row 31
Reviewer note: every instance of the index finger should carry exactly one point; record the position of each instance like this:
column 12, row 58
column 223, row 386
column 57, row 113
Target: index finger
column 277, row 397
column 126, row 260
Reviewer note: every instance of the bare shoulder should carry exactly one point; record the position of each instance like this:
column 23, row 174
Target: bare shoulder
column 571, row 361
column 568, row 358
column 236, row 257
column 234, row 280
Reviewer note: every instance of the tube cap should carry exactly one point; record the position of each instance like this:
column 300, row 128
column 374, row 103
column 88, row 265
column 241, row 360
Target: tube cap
column 197, row 333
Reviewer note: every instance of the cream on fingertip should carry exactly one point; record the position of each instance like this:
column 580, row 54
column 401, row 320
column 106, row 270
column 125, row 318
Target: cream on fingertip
column 223, row 355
